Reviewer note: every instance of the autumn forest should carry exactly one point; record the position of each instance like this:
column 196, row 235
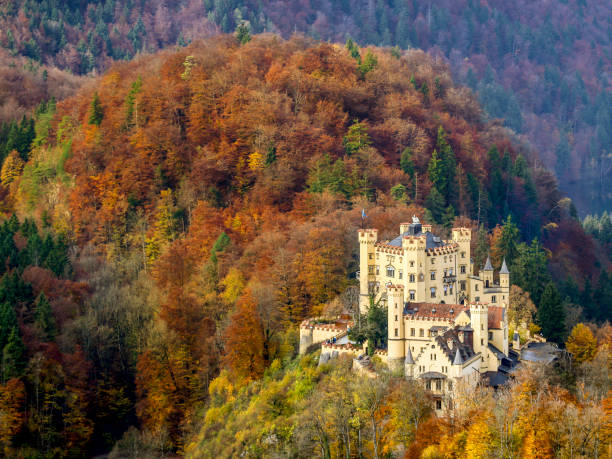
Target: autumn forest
column 170, row 217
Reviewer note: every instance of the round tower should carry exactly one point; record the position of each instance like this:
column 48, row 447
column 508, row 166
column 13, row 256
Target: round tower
column 395, row 326
column 367, row 262
column 479, row 315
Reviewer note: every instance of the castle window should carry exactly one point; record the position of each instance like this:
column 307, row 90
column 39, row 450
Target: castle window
column 462, row 268
column 462, row 254
column 445, row 290
column 370, row 269
column 450, row 258
column 445, row 259
column 476, row 287
column 377, row 255
column 396, row 318
column 412, row 278
column 433, row 292
column 433, row 261
column 412, row 333
column 482, row 326
column 482, row 342
column 487, row 283
column 401, row 274
column 421, row 333
column 450, row 385
column 421, row 277
column 432, row 275
column 370, row 256
column 477, row 299
column 390, row 271
column 450, row 272
column 493, row 299
column 396, row 332
column 412, row 294
column 377, row 270
column 412, row 264
column 490, row 336
column 463, row 285
column 438, row 384
column 428, row 385
column 438, row 404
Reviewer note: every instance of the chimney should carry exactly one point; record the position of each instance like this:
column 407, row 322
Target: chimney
column 449, row 343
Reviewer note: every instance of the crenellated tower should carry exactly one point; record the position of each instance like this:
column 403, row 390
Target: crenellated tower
column 367, row 263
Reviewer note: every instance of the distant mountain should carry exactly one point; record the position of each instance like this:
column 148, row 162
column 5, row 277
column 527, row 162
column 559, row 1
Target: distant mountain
column 544, row 67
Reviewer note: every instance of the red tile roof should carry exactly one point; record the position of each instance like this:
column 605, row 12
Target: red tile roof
column 496, row 316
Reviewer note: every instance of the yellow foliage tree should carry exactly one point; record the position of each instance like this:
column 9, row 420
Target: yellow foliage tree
column 581, row 343
column 164, row 227
column 479, row 439
column 11, row 169
column 233, row 285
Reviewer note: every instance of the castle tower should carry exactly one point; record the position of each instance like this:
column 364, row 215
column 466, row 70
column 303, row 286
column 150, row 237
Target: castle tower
column 395, row 325
column 479, row 314
column 504, row 276
column 487, row 273
column 463, row 237
column 367, row 262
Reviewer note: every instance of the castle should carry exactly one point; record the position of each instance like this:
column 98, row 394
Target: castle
column 444, row 322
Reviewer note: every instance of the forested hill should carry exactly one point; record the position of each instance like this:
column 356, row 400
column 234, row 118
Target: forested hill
column 206, row 200
column 544, row 67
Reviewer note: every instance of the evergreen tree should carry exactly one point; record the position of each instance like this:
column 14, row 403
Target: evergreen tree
column 44, row 318
column 435, row 170
column 435, row 204
column 13, row 352
column 407, row 163
column 481, row 251
column 551, row 314
column 530, row 270
column 96, row 113
column 243, row 32
column 8, row 321
column 448, row 217
column 508, row 242
column 356, row 138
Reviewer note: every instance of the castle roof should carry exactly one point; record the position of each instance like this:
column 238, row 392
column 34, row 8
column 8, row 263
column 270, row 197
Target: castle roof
column 504, row 268
column 488, row 265
column 434, row 310
column 431, row 241
column 409, row 360
column 495, row 317
column 464, row 350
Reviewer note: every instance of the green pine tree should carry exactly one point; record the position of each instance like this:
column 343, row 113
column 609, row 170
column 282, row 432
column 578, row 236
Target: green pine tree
column 243, row 32
column 96, row 112
column 508, row 242
column 551, row 314
column 406, row 162
column 356, row 138
column 44, row 318
column 435, row 204
column 13, row 352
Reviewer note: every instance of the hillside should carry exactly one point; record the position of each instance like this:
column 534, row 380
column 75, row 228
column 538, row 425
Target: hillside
column 544, row 68
column 207, row 200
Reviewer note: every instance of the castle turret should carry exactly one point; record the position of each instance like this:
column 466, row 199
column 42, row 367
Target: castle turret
column 395, row 324
column 479, row 315
column 409, row 363
column 487, row 273
column 504, row 276
column 367, row 265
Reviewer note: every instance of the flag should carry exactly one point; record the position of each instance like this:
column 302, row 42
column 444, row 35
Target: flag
column 363, row 214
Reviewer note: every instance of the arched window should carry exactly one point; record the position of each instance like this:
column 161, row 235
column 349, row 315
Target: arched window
column 390, row 271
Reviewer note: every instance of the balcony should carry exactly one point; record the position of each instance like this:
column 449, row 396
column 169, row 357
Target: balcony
column 449, row 278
